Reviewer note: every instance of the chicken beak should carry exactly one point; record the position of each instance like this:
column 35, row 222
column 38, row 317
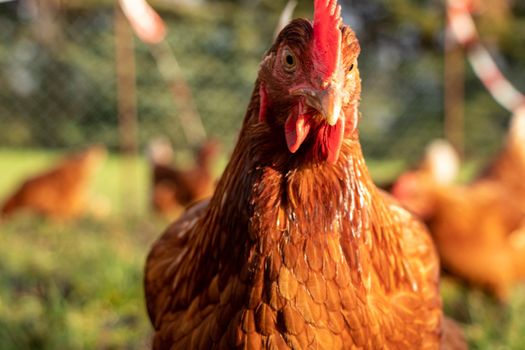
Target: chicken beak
column 328, row 102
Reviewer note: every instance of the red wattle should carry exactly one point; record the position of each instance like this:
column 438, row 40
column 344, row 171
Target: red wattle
column 263, row 103
column 333, row 140
column 296, row 130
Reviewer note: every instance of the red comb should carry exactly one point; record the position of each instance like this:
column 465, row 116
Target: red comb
column 327, row 36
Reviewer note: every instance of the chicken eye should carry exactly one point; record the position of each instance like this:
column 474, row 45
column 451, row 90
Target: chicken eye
column 289, row 61
column 351, row 68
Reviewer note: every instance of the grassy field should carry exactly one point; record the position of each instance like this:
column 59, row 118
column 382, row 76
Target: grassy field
column 75, row 286
column 79, row 285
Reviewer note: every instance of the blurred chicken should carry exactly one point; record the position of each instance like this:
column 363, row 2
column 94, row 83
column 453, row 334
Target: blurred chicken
column 62, row 192
column 297, row 248
column 479, row 229
column 440, row 160
column 438, row 168
column 173, row 188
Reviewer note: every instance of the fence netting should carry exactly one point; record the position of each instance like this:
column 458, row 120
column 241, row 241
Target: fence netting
column 58, row 72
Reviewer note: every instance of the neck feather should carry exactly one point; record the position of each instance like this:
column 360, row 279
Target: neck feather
column 267, row 196
column 265, row 188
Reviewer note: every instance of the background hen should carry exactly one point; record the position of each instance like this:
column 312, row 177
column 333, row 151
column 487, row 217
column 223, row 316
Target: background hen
column 61, row 192
column 479, row 228
column 297, row 248
column 172, row 188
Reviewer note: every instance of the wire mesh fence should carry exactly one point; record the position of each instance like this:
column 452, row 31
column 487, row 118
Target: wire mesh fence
column 60, row 83
column 58, row 73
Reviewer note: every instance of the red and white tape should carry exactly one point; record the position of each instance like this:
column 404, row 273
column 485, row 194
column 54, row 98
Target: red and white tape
column 145, row 21
column 463, row 27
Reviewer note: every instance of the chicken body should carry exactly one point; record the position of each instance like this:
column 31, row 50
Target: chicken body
column 479, row 231
column 296, row 248
column 232, row 274
column 60, row 193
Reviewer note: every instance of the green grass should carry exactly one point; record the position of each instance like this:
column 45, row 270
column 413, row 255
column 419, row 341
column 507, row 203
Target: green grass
column 488, row 324
column 79, row 285
column 73, row 286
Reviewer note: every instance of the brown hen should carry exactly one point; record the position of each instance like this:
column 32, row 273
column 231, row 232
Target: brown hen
column 173, row 189
column 297, row 248
column 59, row 193
column 479, row 229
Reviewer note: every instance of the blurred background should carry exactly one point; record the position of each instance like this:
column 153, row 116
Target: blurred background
column 73, row 74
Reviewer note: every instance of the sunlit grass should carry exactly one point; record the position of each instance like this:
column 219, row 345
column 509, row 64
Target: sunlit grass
column 488, row 323
column 73, row 286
